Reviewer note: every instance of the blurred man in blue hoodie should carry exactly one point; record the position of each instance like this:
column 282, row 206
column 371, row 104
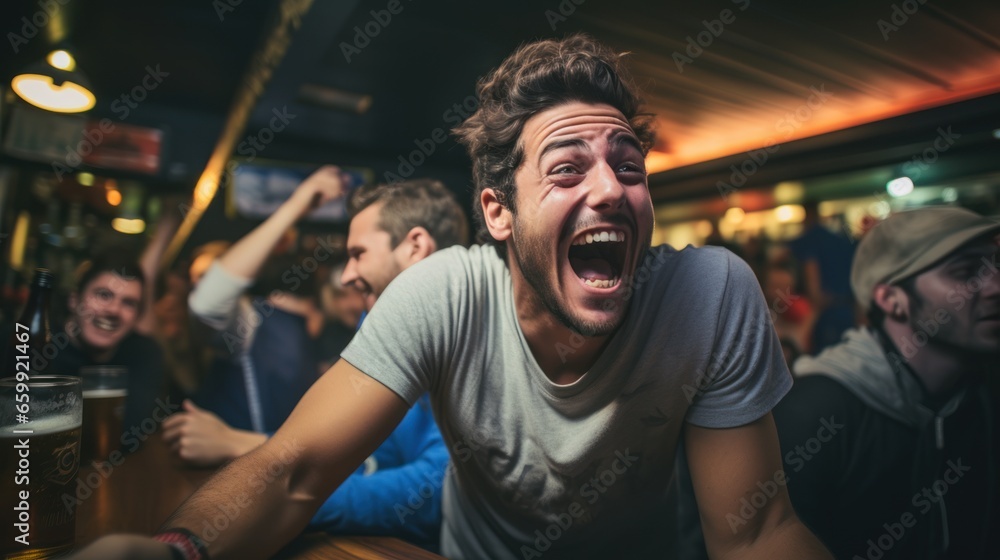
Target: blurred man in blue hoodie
column 397, row 491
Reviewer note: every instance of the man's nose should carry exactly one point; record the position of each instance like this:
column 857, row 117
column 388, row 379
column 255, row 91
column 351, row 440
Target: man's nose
column 113, row 305
column 606, row 191
column 350, row 274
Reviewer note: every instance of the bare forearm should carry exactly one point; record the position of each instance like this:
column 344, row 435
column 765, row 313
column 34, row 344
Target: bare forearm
column 244, row 441
column 245, row 258
column 266, row 497
column 255, row 495
column 149, row 263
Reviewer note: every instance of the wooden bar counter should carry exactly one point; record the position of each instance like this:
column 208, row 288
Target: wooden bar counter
column 138, row 495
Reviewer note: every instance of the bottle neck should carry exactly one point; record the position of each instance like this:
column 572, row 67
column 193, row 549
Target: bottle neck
column 36, row 313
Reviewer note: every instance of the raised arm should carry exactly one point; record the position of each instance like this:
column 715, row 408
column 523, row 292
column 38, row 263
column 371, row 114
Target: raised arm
column 215, row 299
column 149, row 262
column 245, row 258
column 278, row 486
column 742, row 496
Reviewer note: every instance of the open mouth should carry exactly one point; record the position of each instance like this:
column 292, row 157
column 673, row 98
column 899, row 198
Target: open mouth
column 105, row 324
column 598, row 257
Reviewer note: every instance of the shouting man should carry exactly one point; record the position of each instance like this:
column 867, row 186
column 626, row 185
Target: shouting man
column 565, row 359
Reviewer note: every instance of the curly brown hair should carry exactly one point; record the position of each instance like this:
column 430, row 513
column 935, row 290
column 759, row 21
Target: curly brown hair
column 537, row 77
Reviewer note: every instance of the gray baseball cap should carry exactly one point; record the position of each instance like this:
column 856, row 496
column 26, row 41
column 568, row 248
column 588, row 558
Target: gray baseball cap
column 908, row 242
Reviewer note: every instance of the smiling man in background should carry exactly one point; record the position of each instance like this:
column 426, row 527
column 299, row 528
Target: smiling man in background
column 395, row 226
column 392, row 228
column 105, row 308
column 557, row 356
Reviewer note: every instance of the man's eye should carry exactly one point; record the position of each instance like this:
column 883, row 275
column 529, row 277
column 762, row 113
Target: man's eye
column 964, row 273
column 565, row 170
column 630, row 168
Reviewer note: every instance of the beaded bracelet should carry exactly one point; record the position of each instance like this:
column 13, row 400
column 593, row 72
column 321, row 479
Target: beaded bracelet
column 184, row 544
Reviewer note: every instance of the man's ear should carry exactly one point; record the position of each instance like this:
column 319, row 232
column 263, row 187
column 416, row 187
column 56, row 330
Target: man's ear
column 893, row 301
column 418, row 245
column 72, row 301
column 497, row 217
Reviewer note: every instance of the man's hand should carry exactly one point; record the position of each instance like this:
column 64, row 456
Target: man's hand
column 325, row 184
column 245, row 258
column 200, row 438
column 132, row 547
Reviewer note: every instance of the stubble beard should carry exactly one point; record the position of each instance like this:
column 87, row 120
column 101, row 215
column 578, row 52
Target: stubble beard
column 530, row 253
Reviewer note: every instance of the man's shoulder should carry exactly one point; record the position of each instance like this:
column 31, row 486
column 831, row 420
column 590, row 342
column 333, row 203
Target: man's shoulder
column 689, row 283
column 447, row 276
column 692, row 263
column 455, row 262
column 476, row 255
column 707, row 254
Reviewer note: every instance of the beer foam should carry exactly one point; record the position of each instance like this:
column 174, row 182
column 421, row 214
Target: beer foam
column 104, row 393
column 41, row 427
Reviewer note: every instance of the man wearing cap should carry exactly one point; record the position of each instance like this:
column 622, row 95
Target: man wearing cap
column 890, row 439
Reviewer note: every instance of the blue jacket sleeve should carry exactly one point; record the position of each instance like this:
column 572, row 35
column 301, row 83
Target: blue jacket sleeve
column 402, row 497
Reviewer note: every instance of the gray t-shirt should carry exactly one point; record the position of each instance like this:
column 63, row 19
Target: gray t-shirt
column 580, row 470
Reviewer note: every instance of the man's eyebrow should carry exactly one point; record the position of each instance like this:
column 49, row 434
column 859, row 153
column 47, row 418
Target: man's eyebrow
column 626, row 138
column 558, row 144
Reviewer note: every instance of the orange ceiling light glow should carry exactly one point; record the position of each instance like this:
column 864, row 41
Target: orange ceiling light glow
column 813, row 113
column 734, row 215
column 657, row 161
column 114, row 197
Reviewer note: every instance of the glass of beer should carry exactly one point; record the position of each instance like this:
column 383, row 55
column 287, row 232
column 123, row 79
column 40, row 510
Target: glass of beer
column 104, row 392
column 40, row 420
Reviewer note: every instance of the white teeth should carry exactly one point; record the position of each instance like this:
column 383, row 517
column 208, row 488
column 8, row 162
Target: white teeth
column 104, row 324
column 600, row 237
column 610, row 283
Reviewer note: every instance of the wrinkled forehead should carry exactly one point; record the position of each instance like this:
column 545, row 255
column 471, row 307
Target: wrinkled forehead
column 572, row 120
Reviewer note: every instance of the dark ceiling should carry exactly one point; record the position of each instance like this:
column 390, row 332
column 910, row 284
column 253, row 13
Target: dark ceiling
column 891, row 72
